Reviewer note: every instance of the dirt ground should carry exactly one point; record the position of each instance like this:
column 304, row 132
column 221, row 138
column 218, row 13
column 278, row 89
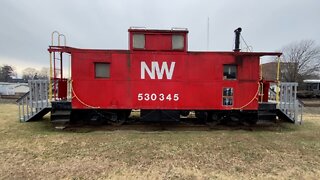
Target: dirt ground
column 35, row 150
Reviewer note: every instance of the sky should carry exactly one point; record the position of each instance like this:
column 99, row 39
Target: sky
column 267, row 25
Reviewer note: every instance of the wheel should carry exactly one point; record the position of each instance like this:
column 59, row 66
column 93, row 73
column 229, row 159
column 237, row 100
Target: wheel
column 201, row 116
column 117, row 119
column 233, row 119
column 96, row 119
column 213, row 119
column 250, row 119
column 184, row 113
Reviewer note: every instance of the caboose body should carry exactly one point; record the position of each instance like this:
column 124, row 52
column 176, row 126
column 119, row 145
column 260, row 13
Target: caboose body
column 161, row 78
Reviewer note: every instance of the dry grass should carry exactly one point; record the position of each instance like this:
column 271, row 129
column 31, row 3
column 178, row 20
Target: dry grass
column 36, row 150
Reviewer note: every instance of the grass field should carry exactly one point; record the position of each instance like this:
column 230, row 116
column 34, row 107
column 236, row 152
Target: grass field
column 36, row 151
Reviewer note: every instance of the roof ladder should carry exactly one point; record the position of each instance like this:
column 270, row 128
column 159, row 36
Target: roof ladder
column 56, row 66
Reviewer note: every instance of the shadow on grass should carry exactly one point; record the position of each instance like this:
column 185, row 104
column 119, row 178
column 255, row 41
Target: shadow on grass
column 175, row 126
column 45, row 126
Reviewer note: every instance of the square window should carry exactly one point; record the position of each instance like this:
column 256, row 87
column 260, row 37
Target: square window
column 102, row 70
column 138, row 41
column 229, row 71
column 227, row 96
column 177, row 42
column 227, row 91
column 227, row 101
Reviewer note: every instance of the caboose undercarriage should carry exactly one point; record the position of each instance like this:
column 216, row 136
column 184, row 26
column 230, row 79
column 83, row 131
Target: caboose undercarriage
column 63, row 115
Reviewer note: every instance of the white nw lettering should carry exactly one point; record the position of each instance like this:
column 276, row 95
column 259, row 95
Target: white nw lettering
column 156, row 70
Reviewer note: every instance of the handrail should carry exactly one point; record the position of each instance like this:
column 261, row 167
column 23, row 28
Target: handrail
column 138, row 27
column 64, row 37
column 22, row 97
column 288, row 103
column 32, row 102
column 52, row 84
column 52, row 34
column 278, row 81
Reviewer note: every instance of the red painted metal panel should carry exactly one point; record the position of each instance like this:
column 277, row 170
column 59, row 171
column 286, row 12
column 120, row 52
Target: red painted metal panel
column 153, row 43
column 156, row 40
column 63, row 88
column 196, row 81
column 266, row 87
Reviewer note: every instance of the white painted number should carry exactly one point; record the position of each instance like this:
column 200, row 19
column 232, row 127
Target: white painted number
column 153, row 97
column 161, row 97
column 176, row 97
column 168, row 97
column 157, row 97
column 146, row 97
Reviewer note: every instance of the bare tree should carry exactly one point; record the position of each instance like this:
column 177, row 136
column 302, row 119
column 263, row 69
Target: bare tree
column 44, row 73
column 29, row 73
column 32, row 73
column 301, row 60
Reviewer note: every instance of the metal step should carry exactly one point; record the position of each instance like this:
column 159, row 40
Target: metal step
column 60, row 123
column 267, row 106
column 267, row 113
column 61, row 113
column 289, row 108
column 35, row 115
column 288, row 117
column 34, row 104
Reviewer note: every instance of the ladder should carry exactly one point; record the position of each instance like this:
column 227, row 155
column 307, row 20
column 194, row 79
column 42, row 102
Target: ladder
column 56, row 69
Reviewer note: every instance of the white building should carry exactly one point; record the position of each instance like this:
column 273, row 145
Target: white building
column 13, row 88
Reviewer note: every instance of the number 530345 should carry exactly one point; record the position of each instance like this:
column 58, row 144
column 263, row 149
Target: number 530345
column 157, row 97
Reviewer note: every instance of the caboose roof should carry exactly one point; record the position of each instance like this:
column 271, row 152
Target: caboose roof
column 165, row 31
column 68, row 49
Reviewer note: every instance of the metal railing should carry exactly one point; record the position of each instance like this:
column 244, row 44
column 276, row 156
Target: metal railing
column 35, row 100
column 288, row 102
column 272, row 96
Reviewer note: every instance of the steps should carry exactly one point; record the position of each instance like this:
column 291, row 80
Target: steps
column 61, row 118
column 34, row 104
column 60, row 114
column 289, row 107
column 267, row 111
column 40, row 114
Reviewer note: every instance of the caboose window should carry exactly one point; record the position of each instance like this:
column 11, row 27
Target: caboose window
column 177, row 42
column 229, row 71
column 102, row 70
column 138, row 41
column 227, row 96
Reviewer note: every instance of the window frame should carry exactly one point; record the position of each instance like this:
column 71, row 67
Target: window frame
column 236, row 71
column 102, row 63
column 228, row 96
column 133, row 41
column 183, row 42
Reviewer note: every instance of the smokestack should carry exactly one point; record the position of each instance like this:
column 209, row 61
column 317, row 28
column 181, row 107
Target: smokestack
column 237, row 40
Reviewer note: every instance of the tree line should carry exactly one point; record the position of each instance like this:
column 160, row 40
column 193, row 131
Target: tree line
column 8, row 74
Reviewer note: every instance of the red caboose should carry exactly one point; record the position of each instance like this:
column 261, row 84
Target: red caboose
column 159, row 76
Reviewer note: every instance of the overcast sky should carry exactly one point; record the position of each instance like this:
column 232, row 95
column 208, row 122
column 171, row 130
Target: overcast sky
column 268, row 25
